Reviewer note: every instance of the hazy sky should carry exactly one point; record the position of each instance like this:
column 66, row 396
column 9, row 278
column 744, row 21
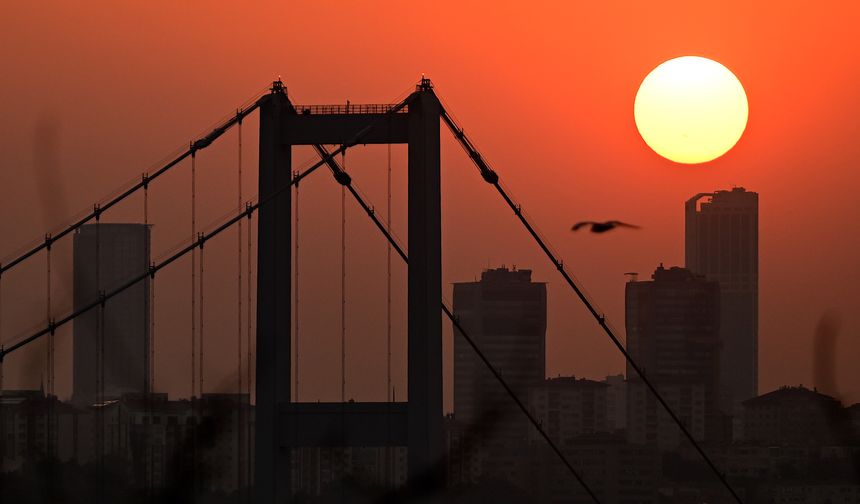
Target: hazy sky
column 94, row 94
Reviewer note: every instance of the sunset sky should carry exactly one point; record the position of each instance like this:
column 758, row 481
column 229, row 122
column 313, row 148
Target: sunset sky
column 92, row 96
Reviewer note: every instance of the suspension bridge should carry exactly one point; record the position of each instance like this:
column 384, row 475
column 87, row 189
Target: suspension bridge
column 282, row 422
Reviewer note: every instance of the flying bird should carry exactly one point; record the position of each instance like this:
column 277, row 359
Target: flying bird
column 602, row 227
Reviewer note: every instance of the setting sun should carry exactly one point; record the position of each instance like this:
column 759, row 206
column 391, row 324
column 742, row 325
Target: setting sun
column 691, row 109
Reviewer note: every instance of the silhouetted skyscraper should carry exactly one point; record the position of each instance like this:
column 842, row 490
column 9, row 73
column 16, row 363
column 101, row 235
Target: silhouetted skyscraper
column 673, row 334
column 505, row 313
column 722, row 244
column 105, row 257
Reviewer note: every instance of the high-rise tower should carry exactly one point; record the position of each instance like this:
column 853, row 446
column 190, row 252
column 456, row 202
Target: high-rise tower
column 673, row 334
column 105, row 257
column 722, row 245
column 505, row 314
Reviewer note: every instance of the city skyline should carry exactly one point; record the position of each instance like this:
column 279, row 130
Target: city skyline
column 590, row 132
column 222, row 261
column 448, row 361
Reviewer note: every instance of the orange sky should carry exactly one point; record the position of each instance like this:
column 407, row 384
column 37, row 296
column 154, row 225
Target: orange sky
column 546, row 90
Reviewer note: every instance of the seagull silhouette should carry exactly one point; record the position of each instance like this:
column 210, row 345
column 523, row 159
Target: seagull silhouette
column 602, row 227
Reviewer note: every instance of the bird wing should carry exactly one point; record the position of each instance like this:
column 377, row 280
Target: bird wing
column 580, row 225
column 623, row 224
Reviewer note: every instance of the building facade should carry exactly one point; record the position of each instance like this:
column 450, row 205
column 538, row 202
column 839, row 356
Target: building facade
column 795, row 415
column 722, row 244
column 322, row 471
column 33, row 425
column 567, row 408
column 616, row 401
column 147, row 442
column 106, row 256
column 505, row 314
column 672, row 326
column 618, row 472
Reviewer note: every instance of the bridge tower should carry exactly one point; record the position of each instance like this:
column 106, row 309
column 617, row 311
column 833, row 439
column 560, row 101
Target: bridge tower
column 282, row 424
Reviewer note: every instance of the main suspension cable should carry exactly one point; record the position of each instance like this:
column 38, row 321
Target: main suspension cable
column 196, row 145
column 246, row 213
column 492, row 178
column 343, row 178
column 249, row 209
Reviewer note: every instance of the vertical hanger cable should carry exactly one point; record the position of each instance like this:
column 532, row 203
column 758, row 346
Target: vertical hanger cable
column 249, row 362
column 147, row 354
column 193, row 277
column 100, row 402
column 343, row 286
column 193, row 397
column 201, row 317
column 296, row 295
column 239, row 265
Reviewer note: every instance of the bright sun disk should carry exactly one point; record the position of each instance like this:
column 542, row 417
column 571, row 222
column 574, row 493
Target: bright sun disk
column 691, row 109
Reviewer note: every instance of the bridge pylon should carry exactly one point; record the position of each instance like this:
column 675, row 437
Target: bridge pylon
column 281, row 424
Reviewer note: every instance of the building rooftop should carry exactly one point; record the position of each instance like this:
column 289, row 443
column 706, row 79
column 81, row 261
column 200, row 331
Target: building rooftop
column 572, row 382
column 505, row 275
column 671, row 274
column 789, row 393
column 736, row 197
column 33, row 400
column 675, row 274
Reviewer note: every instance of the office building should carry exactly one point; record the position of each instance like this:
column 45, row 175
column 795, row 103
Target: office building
column 106, row 256
column 722, row 245
column 672, row 326
column 505, row 314
column 568, row 408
